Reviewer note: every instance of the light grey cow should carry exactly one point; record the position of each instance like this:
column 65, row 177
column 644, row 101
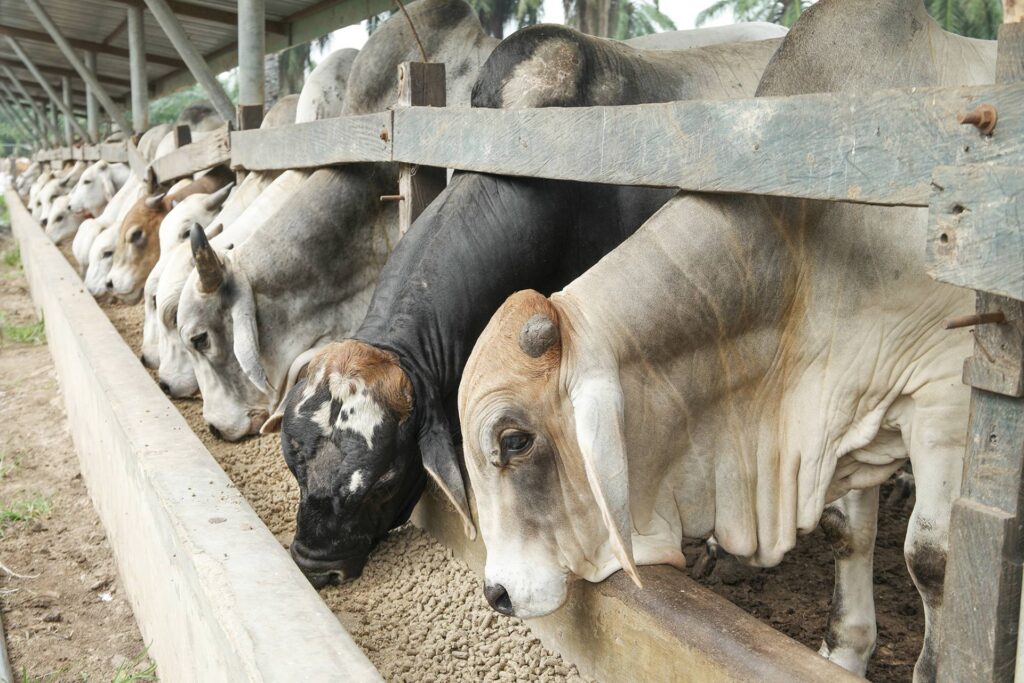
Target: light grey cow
column 741, row 366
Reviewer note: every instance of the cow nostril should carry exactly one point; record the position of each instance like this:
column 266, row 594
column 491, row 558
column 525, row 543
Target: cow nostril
column 164, row 387
column 214, row 431
column 497, row 597
column 110, row 284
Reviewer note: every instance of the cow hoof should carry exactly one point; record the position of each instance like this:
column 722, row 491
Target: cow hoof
column 705, row 564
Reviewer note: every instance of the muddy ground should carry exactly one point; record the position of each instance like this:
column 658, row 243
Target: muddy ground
column 64, row 611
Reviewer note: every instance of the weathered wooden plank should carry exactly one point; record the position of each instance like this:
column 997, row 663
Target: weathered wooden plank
column 114, row 152
column 317, row 143
column 91, row 152
column 877, row 148
column 981, row 594
column 976, row 236
column 419, row 85
column 210, row 151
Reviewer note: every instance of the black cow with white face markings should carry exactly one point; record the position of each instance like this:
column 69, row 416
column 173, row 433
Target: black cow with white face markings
column 482, row 239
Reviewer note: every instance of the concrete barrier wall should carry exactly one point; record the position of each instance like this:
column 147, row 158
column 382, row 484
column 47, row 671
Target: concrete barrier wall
column 216, row 596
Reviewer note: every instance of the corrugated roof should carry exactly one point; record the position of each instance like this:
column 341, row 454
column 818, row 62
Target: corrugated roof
column 104, row 23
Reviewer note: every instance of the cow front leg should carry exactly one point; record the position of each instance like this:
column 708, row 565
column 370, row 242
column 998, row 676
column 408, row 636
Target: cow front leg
column 850, row 525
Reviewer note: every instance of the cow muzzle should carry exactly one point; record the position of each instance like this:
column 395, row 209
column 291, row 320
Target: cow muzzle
column 321, row 573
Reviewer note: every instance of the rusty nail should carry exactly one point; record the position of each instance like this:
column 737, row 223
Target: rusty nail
column 973, row 319
column 981, row 347
column 391, row 198
column 384, row 134
column 983, row 118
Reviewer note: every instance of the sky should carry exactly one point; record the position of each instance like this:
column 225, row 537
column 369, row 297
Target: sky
column 682, row 12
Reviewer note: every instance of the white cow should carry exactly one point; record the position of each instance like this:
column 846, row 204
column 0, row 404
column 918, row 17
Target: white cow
column 743, row 366
column 97, row 186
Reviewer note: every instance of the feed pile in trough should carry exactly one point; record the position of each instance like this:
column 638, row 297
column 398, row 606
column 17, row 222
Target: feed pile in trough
column 420, row 614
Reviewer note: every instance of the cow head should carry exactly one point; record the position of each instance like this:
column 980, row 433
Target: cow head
column 199, row 208
column 348, row 438
column 217, row 323
column 176, row 375
column 101, row 257
column 138, row 247
column 545, row 455
column 62, row 223
column 94, row 189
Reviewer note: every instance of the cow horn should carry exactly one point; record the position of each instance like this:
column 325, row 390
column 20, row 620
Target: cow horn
column 209, row 267
column 153, row 201
column 217, row 198
column 538, row 335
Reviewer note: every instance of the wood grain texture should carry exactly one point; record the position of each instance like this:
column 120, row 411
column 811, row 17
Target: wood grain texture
column 979, row 626
column 316, row 143
column 877, row 148
column 210, row 151
column 976, row 236
column 419, row 85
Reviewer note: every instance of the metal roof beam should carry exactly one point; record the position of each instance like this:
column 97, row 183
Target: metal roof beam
column 61, row 71
column 210, row 14
column 303, row 26
column 193, row 58
column 42, row 123
column 55, row 98
column 11, row 113
column 37, row 37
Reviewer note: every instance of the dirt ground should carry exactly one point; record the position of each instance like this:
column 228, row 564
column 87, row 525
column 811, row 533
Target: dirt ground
column 431, row 644
column 64, row 610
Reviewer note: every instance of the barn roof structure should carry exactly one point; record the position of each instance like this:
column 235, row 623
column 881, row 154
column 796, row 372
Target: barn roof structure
column 101, row 27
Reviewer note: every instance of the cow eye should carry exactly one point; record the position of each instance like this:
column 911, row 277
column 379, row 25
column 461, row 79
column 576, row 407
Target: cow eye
column 200, row 341
column 108, row 253
column 58, row 217
column 515, row 442
column 86, row 181
column 135, row 235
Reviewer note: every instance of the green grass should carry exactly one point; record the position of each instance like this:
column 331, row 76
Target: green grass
column 33, row 333
column 130, row 671
column 12, row 257
column 8, row 463
column 24, row 510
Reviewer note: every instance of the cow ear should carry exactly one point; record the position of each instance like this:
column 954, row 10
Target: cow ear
column 246, row 335
column 442, row 463
column 108, row 186
column 597, row 406
column 295, row 373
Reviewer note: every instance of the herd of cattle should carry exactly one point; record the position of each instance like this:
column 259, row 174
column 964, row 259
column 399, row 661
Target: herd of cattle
column 596, row 371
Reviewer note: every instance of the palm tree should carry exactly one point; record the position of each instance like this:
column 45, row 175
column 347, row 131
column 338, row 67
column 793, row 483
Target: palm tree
column 496, row 14
column 619, row 19
column 972, row 18
column 784, row 12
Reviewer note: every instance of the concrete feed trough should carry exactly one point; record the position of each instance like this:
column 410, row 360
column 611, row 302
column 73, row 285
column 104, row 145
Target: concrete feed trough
column 217, row 597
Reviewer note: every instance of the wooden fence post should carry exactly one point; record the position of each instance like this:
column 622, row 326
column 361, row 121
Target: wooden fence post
column 979, row 626
column 419, row 85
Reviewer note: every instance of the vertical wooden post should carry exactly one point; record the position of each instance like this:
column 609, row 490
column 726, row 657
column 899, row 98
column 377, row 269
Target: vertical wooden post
column 182, row 135
column 981, row 596
column 65, row 86
column 251, row 46
column 92, row 114
column 1013, row 11
column 137, row 69
column 419, row 85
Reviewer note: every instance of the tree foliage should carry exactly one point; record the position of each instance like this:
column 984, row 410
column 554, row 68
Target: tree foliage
column 972, row 18
column 784, row 12
column 495, row 15
column 620, row 19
